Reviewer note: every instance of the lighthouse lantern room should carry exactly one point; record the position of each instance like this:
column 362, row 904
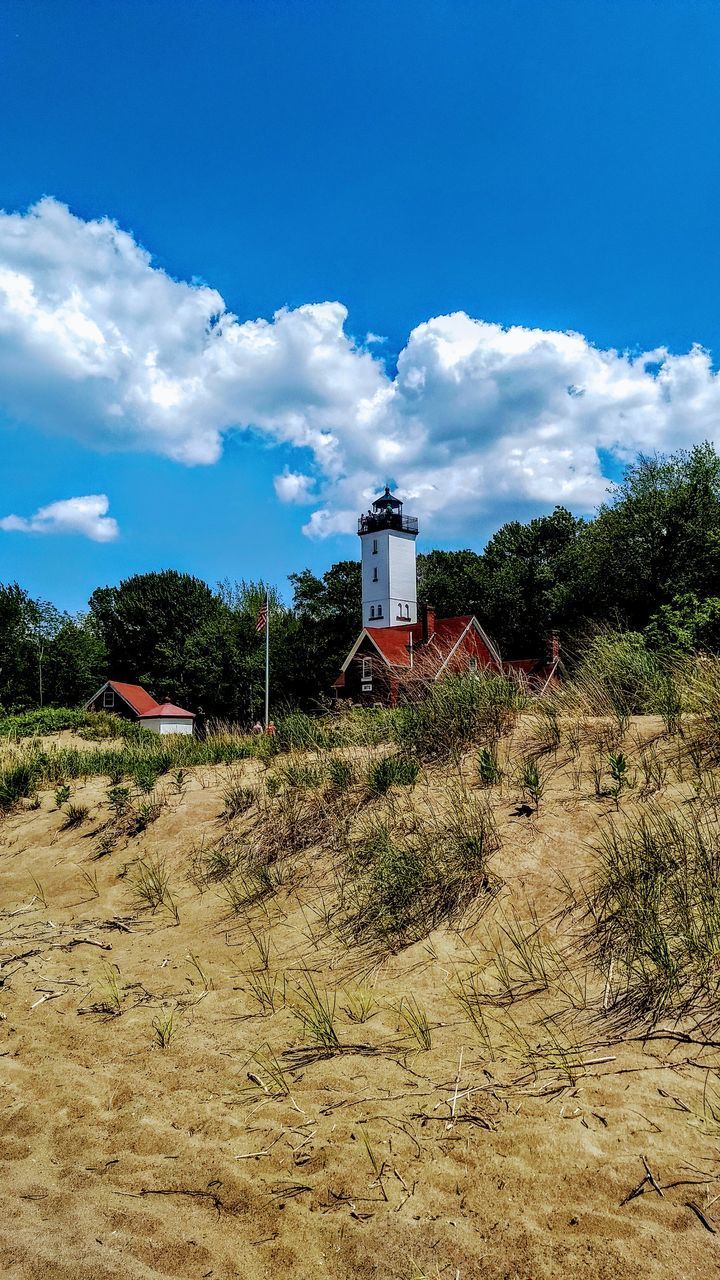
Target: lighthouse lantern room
column 389, row 581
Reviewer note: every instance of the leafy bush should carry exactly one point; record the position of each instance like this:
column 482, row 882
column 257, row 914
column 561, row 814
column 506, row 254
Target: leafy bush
column 44, row 720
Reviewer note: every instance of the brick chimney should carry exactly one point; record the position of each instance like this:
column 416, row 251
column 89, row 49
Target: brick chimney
column 428, row 621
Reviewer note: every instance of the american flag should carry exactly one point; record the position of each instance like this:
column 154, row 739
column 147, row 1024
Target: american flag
column 262, row 617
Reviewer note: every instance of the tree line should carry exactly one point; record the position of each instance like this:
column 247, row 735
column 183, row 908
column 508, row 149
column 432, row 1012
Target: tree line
column 648, row 562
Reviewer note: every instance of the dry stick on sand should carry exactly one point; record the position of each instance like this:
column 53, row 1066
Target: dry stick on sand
column 690, row 1204
column 640, row 1188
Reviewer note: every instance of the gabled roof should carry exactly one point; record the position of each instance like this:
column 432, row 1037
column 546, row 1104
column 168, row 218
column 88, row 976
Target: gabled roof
column 167, row 709
column 137, row 698
column 398, row 645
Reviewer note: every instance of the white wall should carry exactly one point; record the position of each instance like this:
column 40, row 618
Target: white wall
column 396, row 588
column 166, row 724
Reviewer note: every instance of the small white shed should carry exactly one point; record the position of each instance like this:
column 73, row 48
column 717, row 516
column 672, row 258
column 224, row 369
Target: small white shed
column 167, row 718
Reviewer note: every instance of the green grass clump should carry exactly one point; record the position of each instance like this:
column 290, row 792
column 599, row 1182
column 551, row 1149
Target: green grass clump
column 391, row 771
column 17, row 781
column 402, row 879
column 656, row 909
column 458, row 712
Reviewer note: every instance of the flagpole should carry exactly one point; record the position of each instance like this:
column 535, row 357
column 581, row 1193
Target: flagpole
column 267, row 659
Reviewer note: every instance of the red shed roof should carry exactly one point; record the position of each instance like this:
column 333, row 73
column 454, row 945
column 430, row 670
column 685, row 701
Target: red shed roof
column 135, row 696
column 167, row 709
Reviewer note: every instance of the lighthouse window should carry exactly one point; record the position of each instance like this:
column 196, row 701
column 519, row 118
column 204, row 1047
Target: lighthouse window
column 375, row 574
column 379, row 612
column 374, row 546
column 372, row 610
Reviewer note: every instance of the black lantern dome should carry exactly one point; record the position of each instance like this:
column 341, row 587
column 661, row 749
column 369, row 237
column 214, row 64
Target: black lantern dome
column 386, row 513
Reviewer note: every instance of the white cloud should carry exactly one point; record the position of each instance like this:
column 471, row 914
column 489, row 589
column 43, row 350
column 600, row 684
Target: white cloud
column 293, row 486
column 87, row 516
column 97, row 343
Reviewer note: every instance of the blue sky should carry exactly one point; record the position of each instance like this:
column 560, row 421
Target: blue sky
column 550, row 166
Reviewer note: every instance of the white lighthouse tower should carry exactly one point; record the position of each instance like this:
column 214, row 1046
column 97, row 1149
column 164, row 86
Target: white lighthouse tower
column 389, row 577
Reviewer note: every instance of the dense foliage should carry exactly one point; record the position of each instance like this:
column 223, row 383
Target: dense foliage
column 647, row 563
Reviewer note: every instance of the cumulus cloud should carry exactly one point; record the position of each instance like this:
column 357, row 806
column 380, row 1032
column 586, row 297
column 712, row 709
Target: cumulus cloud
column 87, row 516
column 98, row 343
column 293, row 486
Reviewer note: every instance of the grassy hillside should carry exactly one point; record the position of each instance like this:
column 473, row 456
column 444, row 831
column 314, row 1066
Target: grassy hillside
column 422, row 994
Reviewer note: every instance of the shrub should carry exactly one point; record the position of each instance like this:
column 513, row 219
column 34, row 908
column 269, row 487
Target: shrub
column 617, row 675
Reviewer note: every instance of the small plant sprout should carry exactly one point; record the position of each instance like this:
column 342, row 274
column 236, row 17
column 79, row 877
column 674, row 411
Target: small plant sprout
column 415, row 1019
column 201, row 974
column 62, row 795
column 118, row 799
column 75, row 815
column 268, row 989
column 39, row 891
column 378, row 1166
column 237, row 799
column 91, row 882
column 532, row 782
column 618, row 770
column 270, row 1074
column 179, row 781
column 165, row 1028
column 110, row 990
column 360, row 1005
column 315, row 1012
column 488, row 767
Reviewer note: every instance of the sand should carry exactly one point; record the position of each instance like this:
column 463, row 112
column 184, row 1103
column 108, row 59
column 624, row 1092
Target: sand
column 121, row 1158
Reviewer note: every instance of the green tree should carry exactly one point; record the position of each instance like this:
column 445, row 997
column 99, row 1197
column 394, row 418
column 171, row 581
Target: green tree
column 657, row 538
column 328, row 617
column 145, row 624
column 685, row 625
column 452, row 581
column 75, row 662
column 531, row 581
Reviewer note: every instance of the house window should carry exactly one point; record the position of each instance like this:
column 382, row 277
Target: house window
column 473, row 664
column 375, row 574
column 374, row 546
column 108, row 698
column 366, row 673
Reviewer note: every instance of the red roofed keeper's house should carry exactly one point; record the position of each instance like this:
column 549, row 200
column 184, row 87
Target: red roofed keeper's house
column 132, row 702
column 395, row 654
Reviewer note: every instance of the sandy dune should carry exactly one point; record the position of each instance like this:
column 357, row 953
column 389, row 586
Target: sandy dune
column 383, row 1159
